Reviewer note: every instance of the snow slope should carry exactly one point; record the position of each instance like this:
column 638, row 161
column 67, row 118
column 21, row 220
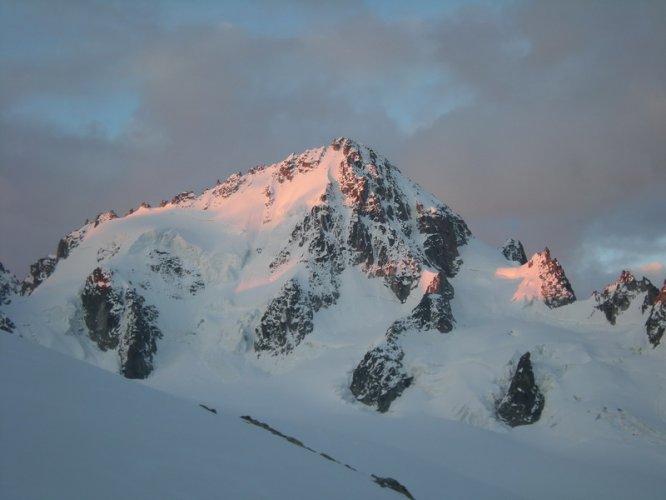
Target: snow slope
column 69, row 430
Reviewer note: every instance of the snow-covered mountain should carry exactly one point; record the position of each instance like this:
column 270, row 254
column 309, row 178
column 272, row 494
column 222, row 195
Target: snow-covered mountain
column 337, row 300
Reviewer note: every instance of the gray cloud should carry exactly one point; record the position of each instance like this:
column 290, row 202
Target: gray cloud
column 533, row 119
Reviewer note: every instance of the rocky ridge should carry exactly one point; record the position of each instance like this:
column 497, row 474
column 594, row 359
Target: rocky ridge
column 618, row 296
column 45, row 266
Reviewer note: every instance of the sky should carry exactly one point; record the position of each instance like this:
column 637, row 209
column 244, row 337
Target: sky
column 539, row 120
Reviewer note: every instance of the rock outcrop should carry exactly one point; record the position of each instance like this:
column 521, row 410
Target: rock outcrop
column 555, row 290
column 523, row 402
column 172, row 270
column 9, row 287
column 380, row 377
column 118, row 319
column 39, row 271
column 513, row 251
column 618, row 296
column 6, row 324
column 287, row 320
column 656, row 322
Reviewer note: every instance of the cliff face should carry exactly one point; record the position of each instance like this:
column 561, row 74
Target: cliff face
column 118, row 319
column 656, row 322
column 618, row 296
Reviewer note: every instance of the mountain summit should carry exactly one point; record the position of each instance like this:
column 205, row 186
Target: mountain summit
column 280, row 240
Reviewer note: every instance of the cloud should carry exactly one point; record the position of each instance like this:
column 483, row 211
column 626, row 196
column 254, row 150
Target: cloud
column 651, row 267
column 540, row 120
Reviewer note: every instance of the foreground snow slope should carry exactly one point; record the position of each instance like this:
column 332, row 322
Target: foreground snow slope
column 69, row 430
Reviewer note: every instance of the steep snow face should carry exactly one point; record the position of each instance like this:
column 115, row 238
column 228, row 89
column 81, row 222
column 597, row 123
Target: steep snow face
column 542, row 279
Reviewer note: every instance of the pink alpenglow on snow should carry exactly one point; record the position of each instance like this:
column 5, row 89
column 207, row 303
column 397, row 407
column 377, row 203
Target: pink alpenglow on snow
column 543, row 279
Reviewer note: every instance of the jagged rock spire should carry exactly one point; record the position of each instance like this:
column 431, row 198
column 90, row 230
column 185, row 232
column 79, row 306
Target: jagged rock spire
column 555, row 289
column 618, row 296
column 513, row 251
column 523, row 402
column 656, row 322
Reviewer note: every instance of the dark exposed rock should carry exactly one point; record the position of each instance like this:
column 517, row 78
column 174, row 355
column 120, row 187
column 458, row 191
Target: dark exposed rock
column 9, row 285
column 316, row 241
column 118, row 319
column 359, row 241
column 74, row 238
column 207, row 408
column 618, row 296
column 62, row 252
column 276, row 432
column 523, row 403
column 389, row 482
column 39, row 271
column 433, row 312
column 183, row 199
column 6, row 324
column 555, row 287
column 384, row 482
column 513, row 251
column 444, row 233
column 139, row 341
column 656, row 322
column 287, row 320
column 380, row 378
column 104, row 217
column 230, row 186
column 172, row 270
column 103, row 307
